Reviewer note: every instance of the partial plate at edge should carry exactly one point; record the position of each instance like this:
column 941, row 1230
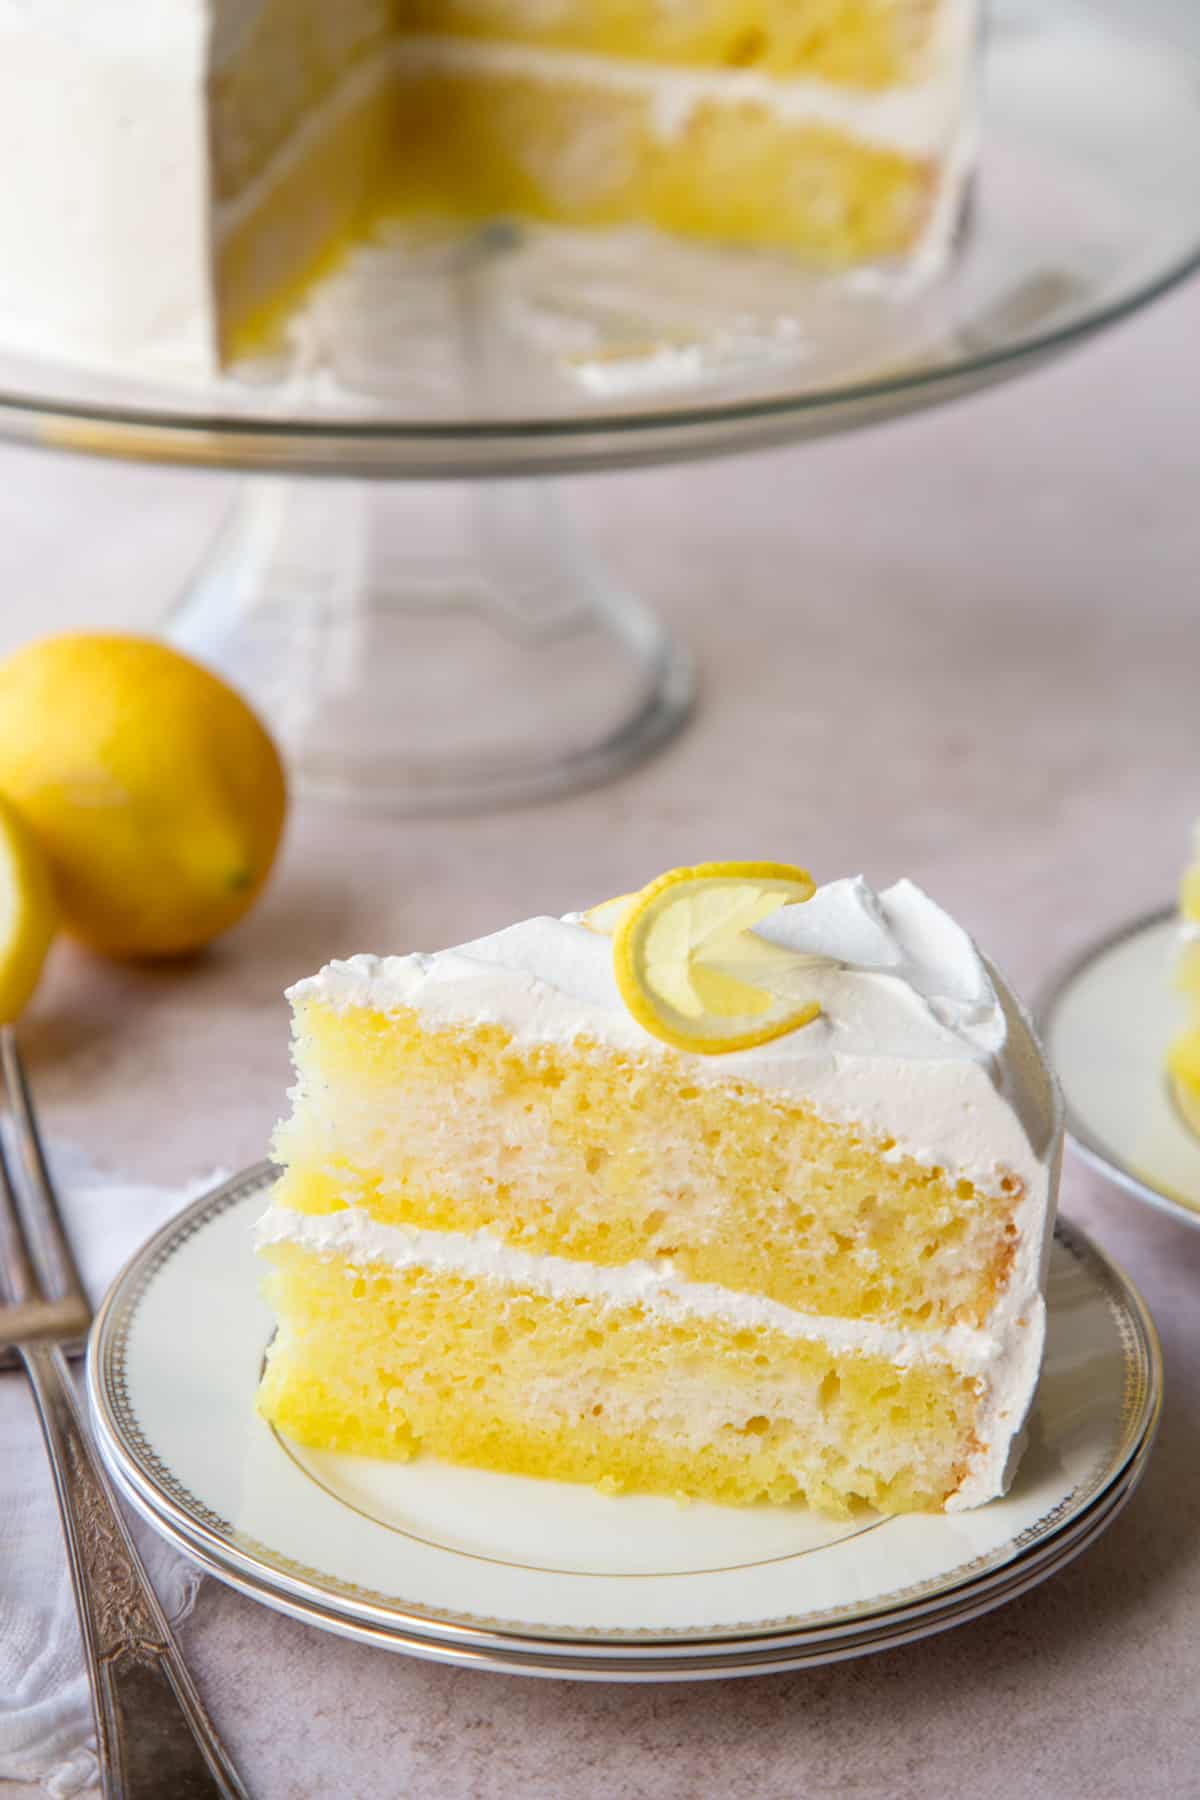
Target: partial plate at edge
column 475, row 1560
column 1107, row 1022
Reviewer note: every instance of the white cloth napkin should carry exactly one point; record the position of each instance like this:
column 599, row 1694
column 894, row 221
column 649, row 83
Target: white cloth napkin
column 45, row 1713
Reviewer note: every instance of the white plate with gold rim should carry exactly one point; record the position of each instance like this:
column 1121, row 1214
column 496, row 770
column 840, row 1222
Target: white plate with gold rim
column 1107, row 1022
column 548, row 1578
column 699, row 1660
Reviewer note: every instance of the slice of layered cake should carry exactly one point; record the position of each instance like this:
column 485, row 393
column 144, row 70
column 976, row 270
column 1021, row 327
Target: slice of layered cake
column 1183, row 1058
column 730, row 1188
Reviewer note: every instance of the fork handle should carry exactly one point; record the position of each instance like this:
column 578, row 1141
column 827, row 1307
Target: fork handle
column 153, row 1736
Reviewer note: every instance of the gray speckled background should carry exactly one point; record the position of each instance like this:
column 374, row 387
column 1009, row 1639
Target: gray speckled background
column 965, row 647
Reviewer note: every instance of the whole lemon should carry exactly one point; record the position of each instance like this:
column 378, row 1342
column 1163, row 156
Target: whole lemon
column 156, row 793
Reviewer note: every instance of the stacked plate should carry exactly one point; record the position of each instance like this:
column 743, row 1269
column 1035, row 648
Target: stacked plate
column 542, row 1578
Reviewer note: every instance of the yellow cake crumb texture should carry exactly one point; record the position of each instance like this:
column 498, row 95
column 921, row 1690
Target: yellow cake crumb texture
column 605, row 1157
column 390, row 1363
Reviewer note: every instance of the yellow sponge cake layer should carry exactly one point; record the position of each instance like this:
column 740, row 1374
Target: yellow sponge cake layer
column 472, row 135
column 862, row 43
column 391, row 1362
column 606, row 1157
column 569, row 150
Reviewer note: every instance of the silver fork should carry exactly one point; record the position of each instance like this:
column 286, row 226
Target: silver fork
column 153, row 1735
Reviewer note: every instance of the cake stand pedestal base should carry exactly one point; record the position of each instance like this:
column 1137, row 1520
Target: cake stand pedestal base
column 431, row 647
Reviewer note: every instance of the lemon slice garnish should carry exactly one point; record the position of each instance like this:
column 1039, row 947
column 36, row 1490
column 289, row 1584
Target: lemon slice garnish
column 28, row 911
column 691, row 968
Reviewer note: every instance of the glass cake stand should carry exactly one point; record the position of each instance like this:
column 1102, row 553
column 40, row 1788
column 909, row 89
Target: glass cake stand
column 427, row 632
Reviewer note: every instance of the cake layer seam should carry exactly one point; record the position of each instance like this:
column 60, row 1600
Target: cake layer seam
column 481, row 1255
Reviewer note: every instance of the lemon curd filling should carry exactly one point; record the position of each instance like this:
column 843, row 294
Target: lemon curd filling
column 519, row 1224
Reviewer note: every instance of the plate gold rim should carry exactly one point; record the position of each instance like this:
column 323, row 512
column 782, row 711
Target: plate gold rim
column 537, row 1657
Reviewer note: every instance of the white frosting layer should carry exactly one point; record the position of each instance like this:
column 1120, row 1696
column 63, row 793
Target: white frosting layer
column 104, row 201
column 1004, row 1357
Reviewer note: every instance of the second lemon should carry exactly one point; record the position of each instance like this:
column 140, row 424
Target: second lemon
column 155, row 791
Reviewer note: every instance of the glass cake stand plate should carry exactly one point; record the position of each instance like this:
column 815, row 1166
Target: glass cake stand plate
column 434, row 651
column 1107, row 1021
column 545, row 1578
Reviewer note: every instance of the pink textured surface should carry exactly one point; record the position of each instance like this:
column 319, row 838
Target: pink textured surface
column 962, row 648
